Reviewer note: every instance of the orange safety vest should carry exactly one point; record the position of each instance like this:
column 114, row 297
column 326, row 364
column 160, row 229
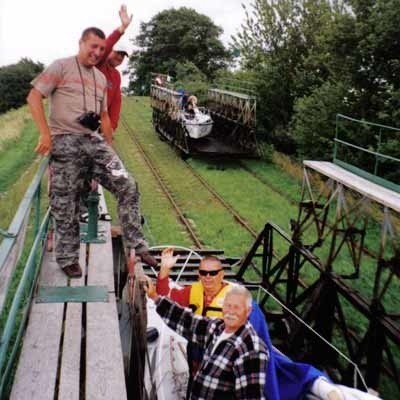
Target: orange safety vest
column 196, row 301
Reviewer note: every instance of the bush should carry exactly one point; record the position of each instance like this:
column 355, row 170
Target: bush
column 192, row 80
column 313, row 123
column 15, row 83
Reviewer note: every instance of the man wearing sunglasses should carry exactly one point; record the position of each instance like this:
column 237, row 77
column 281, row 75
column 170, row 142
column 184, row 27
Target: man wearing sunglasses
column 204, row 297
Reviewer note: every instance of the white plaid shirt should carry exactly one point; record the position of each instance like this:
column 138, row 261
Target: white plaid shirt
column 235, row 370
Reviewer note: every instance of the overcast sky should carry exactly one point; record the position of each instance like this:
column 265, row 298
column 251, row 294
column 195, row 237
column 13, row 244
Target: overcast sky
column 44, row 30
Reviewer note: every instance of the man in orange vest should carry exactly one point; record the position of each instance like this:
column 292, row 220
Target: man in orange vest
column 204, row 297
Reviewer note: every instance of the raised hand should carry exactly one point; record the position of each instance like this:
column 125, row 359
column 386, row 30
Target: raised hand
column 125, row 18
column 168, row 260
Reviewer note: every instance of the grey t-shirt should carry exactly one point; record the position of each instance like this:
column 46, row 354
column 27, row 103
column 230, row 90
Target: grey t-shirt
column 62, row 83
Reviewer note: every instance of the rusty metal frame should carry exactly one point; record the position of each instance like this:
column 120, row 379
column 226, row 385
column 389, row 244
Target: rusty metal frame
column 320, row 304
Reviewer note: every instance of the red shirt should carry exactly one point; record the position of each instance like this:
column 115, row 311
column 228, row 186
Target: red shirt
column 180, row 296
column 113, row 80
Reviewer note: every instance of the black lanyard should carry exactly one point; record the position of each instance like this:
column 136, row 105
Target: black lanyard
column 83, row 87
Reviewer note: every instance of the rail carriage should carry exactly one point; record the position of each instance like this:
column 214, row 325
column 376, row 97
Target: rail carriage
column 226, row 126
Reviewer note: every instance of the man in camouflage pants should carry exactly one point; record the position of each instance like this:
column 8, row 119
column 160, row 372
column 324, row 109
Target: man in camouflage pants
column 78, row 105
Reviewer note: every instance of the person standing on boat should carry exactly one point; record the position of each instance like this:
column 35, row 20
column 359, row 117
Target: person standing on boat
column 78, row 107
column 235, row 358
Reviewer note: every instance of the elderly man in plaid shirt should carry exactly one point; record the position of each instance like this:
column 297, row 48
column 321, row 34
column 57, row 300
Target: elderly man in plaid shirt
column 235, row 357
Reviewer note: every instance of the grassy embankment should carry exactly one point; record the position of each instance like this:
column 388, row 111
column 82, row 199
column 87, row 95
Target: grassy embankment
column 18, row 161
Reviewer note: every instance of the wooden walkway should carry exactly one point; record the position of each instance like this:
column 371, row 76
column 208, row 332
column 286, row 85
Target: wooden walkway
column 381, row 195
column 72, row 350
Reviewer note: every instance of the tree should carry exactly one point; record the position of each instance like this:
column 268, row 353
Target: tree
column 15, row 83
column 287, row 44
column 313, row 124
column 322, row 57
column 378, row 58
column 192, row 80
column 176, row 36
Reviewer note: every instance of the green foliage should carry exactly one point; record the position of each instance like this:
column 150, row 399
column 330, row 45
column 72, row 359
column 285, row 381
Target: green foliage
column 377, row 54
column 192, row 80
column 298, row 48
column 313, row 122
column 286, row 44
column 17, row 155
column 173, row 37
column 15, row 83
column 11, row 124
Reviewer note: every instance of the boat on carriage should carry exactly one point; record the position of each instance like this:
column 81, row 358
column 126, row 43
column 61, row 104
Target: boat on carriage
column 198, row 124
column 224, row 126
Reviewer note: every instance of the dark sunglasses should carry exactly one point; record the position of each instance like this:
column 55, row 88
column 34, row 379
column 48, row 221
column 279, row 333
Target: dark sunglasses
column 202, row 272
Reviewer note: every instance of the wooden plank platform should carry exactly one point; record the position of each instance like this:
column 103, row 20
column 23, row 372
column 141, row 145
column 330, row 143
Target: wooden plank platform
column 73, row 350
column 361, row 185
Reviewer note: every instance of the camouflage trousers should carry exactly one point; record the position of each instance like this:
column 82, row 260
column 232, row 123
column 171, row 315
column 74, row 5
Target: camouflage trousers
column 72, row 155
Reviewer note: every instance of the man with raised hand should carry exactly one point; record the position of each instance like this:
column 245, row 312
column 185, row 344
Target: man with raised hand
column 114, row 55
column 204, row 297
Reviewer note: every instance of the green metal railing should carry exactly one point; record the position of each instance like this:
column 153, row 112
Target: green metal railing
column 16, row 318
column 237, row 85
column 378, row 159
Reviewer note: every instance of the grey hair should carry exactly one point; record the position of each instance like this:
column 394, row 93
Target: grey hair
column 239, row 289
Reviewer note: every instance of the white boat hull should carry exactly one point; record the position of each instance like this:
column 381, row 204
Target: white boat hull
column 168, row 371
column 198, row 125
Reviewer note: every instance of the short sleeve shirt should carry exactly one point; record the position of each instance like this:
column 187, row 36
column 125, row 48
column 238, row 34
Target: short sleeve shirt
column 62, row 83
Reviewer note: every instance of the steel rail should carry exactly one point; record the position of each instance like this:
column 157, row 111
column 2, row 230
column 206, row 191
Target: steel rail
column 26, row 283
column 15, row 227
column 163, row 186
column 231, row 210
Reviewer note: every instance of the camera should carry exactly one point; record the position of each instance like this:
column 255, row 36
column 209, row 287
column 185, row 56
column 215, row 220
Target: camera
column 90, row 120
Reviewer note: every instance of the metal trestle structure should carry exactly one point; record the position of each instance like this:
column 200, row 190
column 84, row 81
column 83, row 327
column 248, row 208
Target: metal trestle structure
column 333, row 275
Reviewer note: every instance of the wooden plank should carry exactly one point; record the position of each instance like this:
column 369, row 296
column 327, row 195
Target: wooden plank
column 37, row 368
column 69, row 386
column 104, row 366
column 361, row 185
column 105, row 377
column 36, row 376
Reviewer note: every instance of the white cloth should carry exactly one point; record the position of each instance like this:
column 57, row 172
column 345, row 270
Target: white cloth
column 329, row 391
column 223, row 336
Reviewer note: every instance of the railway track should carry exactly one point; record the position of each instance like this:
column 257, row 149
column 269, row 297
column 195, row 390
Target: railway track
column 157, row 175
column 236, row 216
column 240, row 220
